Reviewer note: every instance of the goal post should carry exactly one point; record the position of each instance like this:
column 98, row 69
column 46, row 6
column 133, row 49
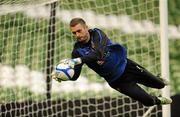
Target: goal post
column 35, row 35
column 164, row 52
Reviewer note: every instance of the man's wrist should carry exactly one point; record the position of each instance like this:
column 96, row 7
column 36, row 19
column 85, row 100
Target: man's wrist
column 77, row 61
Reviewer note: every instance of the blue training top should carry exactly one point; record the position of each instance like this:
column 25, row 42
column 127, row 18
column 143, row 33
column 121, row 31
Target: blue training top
column 101, row 55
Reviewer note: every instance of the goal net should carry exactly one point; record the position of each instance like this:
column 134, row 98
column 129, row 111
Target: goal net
column 35, row 35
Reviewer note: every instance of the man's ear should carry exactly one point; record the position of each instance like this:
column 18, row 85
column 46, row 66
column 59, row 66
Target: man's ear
column 86, row 26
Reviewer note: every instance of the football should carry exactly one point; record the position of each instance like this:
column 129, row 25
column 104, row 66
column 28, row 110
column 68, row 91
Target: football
column 64, row 72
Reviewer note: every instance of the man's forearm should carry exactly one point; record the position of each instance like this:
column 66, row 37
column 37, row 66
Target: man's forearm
column 93, row 56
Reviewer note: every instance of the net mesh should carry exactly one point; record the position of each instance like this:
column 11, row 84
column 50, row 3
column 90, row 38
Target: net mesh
column 24, row 34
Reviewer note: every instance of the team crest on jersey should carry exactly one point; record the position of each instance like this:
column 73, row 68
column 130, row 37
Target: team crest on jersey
column 87, row 52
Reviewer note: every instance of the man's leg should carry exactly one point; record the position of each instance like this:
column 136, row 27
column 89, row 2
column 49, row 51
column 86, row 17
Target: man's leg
column 142, row 76
column 136, row 92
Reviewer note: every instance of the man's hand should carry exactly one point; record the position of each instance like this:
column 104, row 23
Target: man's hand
column 72, row 62
column 54, row 76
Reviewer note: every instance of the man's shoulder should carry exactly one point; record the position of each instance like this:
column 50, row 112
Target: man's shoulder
column 94, row 30
column 74, row 51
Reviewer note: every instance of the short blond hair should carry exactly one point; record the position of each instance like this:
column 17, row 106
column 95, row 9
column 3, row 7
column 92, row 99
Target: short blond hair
column 76, row 21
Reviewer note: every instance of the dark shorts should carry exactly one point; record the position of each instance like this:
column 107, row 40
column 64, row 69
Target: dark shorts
column 135, row 74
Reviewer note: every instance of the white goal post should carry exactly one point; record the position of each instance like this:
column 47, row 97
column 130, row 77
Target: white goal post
column 164, row 53
column 35, row 35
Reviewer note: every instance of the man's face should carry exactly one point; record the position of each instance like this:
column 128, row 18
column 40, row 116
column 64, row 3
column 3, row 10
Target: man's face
column 80, row 32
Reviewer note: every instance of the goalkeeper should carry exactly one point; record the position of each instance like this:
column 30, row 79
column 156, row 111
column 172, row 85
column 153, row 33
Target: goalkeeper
column 110, row 61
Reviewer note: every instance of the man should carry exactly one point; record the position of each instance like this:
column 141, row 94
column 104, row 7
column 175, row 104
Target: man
column 110, row 61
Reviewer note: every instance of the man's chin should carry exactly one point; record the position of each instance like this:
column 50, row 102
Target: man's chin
column 82, row 41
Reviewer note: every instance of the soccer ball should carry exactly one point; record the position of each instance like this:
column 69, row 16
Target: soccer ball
column 64, row 72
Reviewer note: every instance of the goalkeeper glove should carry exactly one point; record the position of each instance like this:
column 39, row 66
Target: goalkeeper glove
column 54, row 76
column 72, row 62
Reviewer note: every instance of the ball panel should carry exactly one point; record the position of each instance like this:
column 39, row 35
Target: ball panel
column 64, row 72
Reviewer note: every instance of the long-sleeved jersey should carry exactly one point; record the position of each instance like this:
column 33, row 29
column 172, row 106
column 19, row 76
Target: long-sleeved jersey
column 101, row 55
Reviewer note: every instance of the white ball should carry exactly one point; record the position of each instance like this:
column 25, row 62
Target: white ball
column 64, row 71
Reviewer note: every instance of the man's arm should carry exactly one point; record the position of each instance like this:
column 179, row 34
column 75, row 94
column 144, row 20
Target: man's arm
column 77, row 68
